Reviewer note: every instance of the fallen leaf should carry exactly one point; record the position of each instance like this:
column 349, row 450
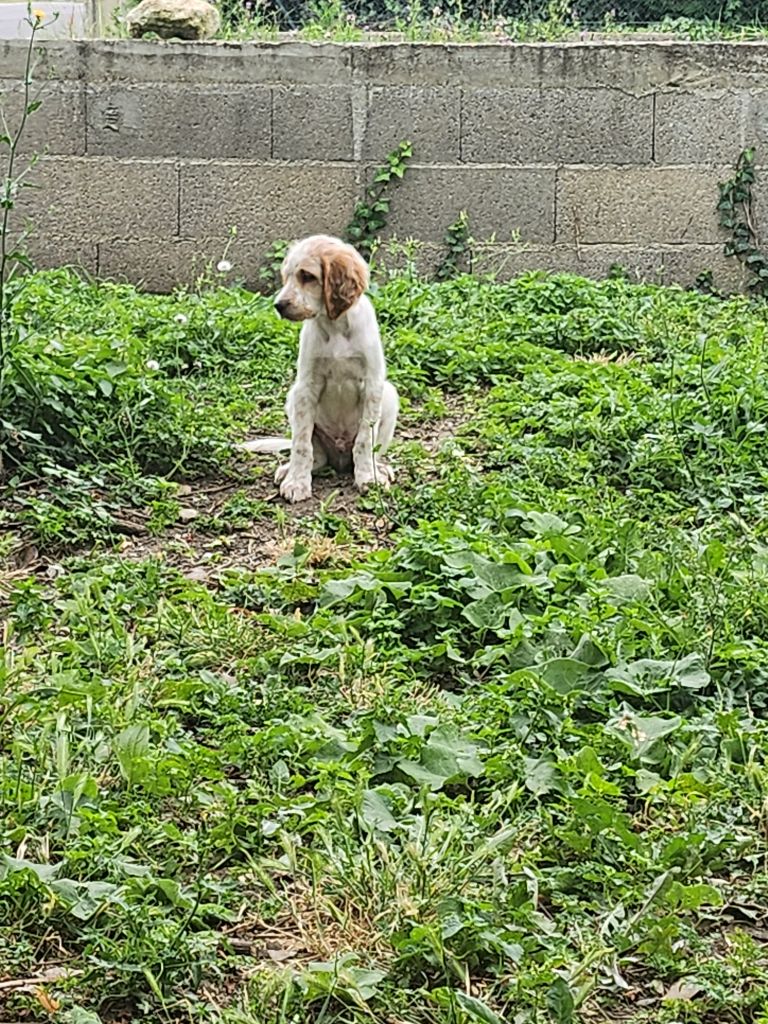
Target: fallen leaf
column 682, row 989
column 186, row 514
column 27, row 556
column 279, row 955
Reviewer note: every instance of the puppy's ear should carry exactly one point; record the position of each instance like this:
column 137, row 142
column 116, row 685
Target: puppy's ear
column 345, row 278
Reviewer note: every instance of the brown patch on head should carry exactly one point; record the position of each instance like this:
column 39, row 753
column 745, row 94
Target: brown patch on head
column 345, row 278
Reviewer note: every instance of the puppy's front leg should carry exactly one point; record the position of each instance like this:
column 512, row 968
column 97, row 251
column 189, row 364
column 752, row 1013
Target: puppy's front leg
column 362, row 452
column 296, row 483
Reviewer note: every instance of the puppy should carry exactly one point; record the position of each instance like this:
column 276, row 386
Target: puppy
column 341, row 408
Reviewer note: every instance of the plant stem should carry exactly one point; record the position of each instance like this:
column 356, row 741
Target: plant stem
column 7, row 201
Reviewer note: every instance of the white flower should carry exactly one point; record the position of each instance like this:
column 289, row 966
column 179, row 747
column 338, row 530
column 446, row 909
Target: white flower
column 152, row 364
column 223, row 266
column 180, row 318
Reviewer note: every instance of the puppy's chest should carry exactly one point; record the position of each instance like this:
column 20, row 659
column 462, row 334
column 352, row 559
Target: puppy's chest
column 338, row 367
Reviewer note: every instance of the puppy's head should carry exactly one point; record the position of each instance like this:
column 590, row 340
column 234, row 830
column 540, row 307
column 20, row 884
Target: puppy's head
column 321, row 275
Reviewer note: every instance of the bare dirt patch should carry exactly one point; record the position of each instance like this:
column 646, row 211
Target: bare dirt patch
column 201, row 544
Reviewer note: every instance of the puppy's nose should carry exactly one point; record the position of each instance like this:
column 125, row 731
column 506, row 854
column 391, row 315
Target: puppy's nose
column 281, row 305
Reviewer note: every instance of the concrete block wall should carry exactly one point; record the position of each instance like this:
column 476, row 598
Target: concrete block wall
column 568, row 156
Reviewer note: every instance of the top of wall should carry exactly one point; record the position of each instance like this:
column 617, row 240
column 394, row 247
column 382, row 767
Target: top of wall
column 637, row 67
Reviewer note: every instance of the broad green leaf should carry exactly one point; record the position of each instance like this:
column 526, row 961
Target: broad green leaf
column 449, row 753
column 445, row 757
column 560, row 1003
column 45, row 872
column 588, row 651
column 626, row 589
column 493, row 612
column 648, row 676
column 641, row 733
column 566, row 674
column 647, row 781
column 421, row 775
column 79, row 1015
column 497, row 576
column 132, row 749
column 541, row 776
column 375, row 812
column 85, row 898
column 476, row 1009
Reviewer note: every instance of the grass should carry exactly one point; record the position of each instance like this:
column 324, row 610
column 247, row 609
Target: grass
column 337, row 25
column 343, row 22
column 491, row 747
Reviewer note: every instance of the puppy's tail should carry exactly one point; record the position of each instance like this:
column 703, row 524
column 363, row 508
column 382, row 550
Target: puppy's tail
column 265, row 445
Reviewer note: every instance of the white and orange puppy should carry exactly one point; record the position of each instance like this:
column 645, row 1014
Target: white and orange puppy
column 341, row 408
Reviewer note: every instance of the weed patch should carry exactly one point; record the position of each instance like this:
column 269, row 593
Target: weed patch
column 488, row 747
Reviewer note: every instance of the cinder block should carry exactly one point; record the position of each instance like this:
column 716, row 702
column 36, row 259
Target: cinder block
column 713, row 66
column 498, row 200
column 161, row 266
column 631, row 205
column 134, row 61
column 431, row 64
column 429, row 117
column 700, row 127
column 556, row 126
column 89, row 199
column 756, row 128
column 655, row 264
column 312, row 123
column 53, row 58
column 637, row 68
column 48, row 252
column 57, row 126
column 265, row 202
column 179, row 121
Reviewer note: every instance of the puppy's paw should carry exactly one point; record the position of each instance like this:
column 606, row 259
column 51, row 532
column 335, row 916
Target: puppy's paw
column 385, row 475
column 295, row 489
column 282, row 472
column 379, row 476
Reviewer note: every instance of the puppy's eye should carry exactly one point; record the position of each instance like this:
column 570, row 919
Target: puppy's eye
column 306, row 278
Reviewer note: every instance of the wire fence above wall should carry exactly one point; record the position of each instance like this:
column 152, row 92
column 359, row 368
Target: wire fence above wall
column 592, row 15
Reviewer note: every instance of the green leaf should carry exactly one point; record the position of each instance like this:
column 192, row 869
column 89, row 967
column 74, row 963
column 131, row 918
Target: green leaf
column 560, row 1003
column 132, row 750
column 445, row 757
column 477, row 1009
column 648, row 675
column 626, row 589
column 641, row 733
column 44, row 872
column 79, row 1015
column 541, row 776
column 497, row 576
column 647, row 781
column 492, row 612
column 421, row 775
column 84, row 898
column 547, row 525
column 566, row 674
column 375, row 812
